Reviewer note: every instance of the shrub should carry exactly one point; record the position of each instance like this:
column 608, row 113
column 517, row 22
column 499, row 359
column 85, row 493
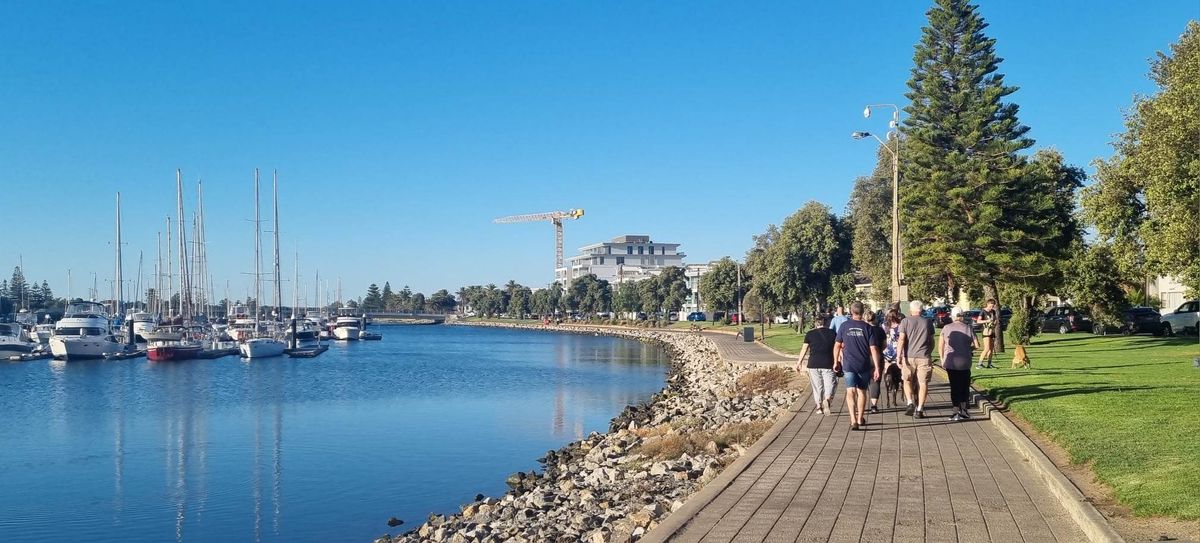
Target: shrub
column 764, row 380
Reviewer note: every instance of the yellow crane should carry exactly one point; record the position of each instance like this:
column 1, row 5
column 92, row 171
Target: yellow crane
column 555, row 217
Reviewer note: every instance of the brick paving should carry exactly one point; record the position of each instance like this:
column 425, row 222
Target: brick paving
column 913, row 480
column 734, row 349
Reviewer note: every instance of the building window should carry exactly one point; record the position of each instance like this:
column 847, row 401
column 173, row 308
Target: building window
column 628, row 249
column 641, row 250
column 601, row 260
column 609, row 248
column 651, row 249
column 620, row 260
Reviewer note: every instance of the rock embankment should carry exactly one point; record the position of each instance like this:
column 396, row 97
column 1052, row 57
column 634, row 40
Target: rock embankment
column 614, row 487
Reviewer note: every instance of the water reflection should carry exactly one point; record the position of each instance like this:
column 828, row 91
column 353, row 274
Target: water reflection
column 136, row 451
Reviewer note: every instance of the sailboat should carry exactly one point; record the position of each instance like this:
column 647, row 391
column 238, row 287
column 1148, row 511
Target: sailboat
column 264, row 346
column 165, row 345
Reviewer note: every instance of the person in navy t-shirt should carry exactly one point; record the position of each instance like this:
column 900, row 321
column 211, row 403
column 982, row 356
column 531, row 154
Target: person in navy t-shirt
column 856, row 353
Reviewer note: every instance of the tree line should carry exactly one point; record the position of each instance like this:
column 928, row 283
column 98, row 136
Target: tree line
column 983, row 215
column 405, row 301
column 16, row 293
column 588, row 295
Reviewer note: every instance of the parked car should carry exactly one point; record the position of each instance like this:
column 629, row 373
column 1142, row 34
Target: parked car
column 696, row 316
column 1185, row 319
column 940, row 315
column 718, row 316
column 734, row 318
column 1142, row 320
column 1066, row 319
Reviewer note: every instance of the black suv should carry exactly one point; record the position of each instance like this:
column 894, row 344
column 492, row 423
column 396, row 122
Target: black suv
column 1142, row 320
column 1065, row 320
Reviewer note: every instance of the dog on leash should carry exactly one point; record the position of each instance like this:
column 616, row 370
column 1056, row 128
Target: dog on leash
column 891, row 383
column 1021, row 359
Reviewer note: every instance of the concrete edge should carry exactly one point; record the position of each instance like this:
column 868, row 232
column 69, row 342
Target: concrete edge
column 1086, row 516
column 672, row 523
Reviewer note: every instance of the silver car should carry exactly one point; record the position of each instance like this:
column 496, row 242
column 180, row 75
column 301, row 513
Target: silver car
column 1184, row 318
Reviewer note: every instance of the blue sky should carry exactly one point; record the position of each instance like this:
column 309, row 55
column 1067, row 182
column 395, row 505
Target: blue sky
column 401, row 129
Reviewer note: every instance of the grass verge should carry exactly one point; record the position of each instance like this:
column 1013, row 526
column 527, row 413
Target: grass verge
column 1126, row 406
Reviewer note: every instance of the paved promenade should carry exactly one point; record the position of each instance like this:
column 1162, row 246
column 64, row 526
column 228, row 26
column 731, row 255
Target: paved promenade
column 901, row 479
column 913, row 480
column 734, row 349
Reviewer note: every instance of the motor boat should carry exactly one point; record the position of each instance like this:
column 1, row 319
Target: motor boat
column 40, row 333
column 14, row 341
column 84, row 332
column 173, row 351
column 143, row 324
column 347, row 327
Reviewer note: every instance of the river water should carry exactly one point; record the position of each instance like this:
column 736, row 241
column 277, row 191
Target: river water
column 323, row 449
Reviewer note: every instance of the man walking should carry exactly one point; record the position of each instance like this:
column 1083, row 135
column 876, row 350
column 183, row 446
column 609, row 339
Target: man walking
column 957, row 350
column 857, row 355
column 914, row 347
column 839, row 316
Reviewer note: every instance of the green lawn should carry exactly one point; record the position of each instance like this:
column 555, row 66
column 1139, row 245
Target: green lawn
column 1129, row 406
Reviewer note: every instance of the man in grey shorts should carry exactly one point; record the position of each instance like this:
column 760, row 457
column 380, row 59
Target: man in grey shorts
column 913, row 350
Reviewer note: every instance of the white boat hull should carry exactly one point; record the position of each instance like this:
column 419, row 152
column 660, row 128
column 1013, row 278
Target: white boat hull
column 8, row 349
column 262, row 348
column 83, row 347
column 345, row 333
column 142, row 329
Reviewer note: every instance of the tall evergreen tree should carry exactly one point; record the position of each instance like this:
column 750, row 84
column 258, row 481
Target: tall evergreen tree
column 374, row 300
column 968, row 202
column 388, row 297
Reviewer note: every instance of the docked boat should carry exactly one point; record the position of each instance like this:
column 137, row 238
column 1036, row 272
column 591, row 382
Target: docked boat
column 347, row 327
column 173, row 351
column 262, row 347
column 40, row 333
column 143, row 324
column 14, row 341
column 84, row 332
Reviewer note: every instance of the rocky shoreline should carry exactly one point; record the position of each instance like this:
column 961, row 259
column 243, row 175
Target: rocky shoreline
column 616, row 486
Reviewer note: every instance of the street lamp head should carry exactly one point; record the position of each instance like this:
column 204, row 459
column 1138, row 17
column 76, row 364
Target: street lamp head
column 860, row 135
column 867, row 112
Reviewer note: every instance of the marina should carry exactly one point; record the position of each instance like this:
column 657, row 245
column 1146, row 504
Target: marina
column 242, row 449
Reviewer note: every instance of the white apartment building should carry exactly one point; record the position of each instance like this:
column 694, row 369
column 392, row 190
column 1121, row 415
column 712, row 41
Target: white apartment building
column 694, row 303
column 625, row 258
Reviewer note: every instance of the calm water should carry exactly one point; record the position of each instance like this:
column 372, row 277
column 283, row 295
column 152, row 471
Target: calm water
column 323, row 449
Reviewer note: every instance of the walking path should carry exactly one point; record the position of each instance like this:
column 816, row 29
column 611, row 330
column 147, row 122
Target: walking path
column 902, row 479
column 733, row 349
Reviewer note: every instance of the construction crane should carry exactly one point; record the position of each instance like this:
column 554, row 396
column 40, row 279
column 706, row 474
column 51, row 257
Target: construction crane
column 555, row 217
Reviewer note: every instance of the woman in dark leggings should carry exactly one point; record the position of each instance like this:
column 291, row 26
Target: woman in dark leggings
column 881, row 341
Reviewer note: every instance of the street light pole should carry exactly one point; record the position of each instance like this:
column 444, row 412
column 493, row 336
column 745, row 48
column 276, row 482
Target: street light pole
column 893, row 135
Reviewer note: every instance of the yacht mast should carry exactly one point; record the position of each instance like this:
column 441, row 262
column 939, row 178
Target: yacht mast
column 275, row 209
column 158, row 282
column 170, row 275
column 257, row 258
column 120, row 285
column 185, row 286
column 296, row 286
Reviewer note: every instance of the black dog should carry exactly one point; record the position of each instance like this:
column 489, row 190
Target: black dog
column 891, row 383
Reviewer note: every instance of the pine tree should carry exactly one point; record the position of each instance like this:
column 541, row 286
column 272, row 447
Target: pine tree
column 374, row 300
column 389, row 297
column 961, row 168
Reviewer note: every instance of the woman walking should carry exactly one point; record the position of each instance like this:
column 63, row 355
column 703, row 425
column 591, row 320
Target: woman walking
column 884, row 340
column 957, row 350
column 818, row 346
column 989, row 323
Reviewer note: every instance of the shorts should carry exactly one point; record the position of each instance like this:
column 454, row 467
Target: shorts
column 919, row 367
column 859, row 380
